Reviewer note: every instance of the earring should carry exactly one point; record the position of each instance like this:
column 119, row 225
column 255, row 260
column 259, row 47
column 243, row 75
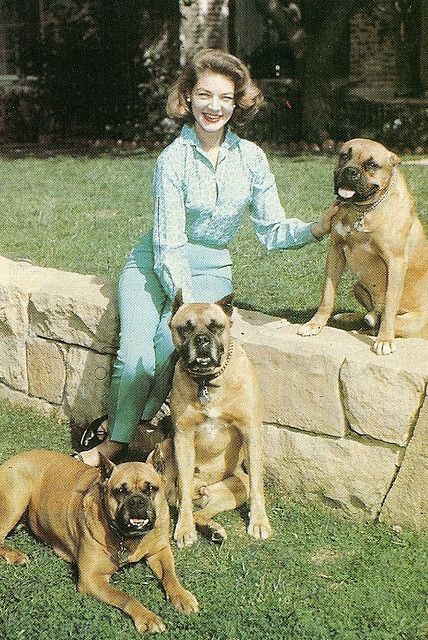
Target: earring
column 189, row 100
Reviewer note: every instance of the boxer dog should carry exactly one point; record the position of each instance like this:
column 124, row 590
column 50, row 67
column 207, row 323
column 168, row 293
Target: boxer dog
column 99, row 519
column 215, row 458
column 377, row 233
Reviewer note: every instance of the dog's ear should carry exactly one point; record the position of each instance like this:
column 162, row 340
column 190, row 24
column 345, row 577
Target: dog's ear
column 394, row 159
column 226, row 304
column 157, row 459
column 178, row 301
column 106, row 467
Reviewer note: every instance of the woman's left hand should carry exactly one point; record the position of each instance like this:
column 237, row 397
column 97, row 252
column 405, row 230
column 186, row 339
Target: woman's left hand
column 321, row 228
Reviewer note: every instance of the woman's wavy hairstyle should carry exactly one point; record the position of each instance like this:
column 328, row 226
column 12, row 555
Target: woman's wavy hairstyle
column 248, row 96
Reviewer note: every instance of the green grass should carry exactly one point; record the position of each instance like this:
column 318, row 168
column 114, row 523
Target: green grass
column 319, row 577
column 85, row 214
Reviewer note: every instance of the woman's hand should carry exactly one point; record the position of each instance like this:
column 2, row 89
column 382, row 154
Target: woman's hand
column 321, row 228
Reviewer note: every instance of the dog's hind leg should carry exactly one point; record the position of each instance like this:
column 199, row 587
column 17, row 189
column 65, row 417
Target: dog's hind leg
column 14, row 499
column 411, row 325
column 222, row 496
column 371, row 319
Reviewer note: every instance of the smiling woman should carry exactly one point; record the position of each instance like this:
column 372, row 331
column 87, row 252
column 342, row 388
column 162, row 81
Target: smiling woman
column 203, row 183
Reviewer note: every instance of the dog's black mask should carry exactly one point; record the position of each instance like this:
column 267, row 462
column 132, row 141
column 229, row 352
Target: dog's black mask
column 136, row 513
column 352, row 178
column 202, row 351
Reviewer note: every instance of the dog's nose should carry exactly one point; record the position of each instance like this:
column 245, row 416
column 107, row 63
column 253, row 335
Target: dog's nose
column 351, row 173
column 202, row 340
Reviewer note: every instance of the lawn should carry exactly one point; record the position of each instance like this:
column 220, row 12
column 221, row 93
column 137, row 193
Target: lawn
column 319, row 577
column 85, row 214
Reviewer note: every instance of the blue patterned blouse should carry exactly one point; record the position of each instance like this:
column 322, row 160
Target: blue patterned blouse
column 195, row 202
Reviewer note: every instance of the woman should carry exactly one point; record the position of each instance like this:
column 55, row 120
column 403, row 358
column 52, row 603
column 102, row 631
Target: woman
column 202, row 183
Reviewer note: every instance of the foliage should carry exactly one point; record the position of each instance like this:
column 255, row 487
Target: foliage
column 103, row 68
column 278, row 121
column 397, row 123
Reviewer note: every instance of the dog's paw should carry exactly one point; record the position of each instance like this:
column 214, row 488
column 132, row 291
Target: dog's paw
column 184, row 601
column 383, row 347
column 15, row 557
column 259, row 527
column 149, row 623
column 185, row 535
column 310, row 328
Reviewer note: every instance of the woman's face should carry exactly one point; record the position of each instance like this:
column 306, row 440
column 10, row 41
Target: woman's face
column 212, row 101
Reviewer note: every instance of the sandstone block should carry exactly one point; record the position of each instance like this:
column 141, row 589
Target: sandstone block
column 23, row 400
column 407, row 502
column 299, row 377
column 383, row 394
column 341, row 473
column 13, row 332
column 76, row 309
column 46, row 370
column 87, row 386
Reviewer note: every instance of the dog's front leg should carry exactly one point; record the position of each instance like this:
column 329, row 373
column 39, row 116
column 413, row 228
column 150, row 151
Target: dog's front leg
column 96, row 583
column 333, row 272
column 162, row 565
column 184, row 447
column 396, row 269
column 258, row 526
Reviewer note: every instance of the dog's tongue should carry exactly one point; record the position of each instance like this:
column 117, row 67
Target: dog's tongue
column 345, row 193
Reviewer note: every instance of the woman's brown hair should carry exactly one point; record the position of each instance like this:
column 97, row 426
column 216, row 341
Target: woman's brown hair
column 248, row 96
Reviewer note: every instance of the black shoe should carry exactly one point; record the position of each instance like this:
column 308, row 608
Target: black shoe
column 94, row 434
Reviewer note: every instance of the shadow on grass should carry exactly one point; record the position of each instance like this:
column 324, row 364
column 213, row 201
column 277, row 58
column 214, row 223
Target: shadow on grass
column 42, row 152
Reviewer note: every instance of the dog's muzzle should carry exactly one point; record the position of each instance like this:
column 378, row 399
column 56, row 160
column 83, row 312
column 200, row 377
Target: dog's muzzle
column 202, row 353
column 135, row 516
column 350, row 185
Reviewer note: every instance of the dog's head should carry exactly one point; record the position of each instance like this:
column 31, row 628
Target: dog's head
column 133, row 496
column 363, row 171
column 201, row 333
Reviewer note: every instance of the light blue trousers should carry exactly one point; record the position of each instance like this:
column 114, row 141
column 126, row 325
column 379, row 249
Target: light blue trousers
column 142, row 373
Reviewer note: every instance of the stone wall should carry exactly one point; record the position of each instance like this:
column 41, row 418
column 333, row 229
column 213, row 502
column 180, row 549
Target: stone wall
column 341, row 425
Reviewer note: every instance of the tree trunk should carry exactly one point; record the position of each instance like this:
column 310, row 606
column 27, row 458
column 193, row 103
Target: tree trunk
column 325, row 23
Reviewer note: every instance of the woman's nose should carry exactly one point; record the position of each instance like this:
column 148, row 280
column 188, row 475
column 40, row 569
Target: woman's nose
column 214, row 103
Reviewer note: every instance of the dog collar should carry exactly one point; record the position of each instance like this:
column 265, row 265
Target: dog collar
column 204, row 382
column 363, row 209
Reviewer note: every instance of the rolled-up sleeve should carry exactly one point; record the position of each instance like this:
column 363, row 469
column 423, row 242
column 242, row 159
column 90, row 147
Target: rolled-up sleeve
column 169, row 230
column 272, row 227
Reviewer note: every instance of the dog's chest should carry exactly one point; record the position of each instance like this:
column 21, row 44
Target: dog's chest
column 212, row 428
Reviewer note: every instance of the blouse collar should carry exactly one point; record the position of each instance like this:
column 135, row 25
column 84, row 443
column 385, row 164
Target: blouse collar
column 188, row 136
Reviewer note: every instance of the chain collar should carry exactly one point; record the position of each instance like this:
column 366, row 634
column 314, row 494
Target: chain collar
column 363, row 209
column 204, row 381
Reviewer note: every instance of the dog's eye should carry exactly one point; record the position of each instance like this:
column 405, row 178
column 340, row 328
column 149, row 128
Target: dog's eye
column 344, row 155
column 151, row 489
column 119, row 491
column 372, row 165
column 186, row 329
column 215, row 327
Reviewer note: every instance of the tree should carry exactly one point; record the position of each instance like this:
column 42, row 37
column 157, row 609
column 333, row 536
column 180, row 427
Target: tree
column 315, row 30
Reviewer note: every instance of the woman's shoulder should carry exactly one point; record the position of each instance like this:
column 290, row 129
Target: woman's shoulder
column 172, row 155
column 253, row 154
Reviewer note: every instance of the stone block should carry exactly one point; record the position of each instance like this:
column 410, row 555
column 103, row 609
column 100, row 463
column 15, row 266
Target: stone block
column 383, row 394
column 341, row 473
column 407, row 501
column 76, row 309
column 87, row 386
column 23, row 400
column 13, row 333
column 46, row 370
column 299, row 377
